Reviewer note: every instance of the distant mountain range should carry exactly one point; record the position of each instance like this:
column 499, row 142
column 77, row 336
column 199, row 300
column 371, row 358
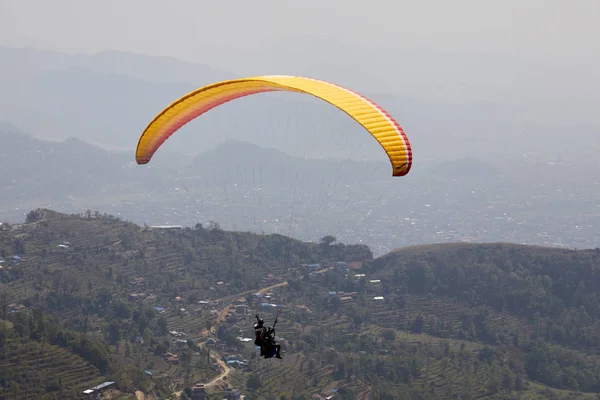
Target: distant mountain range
column 108, row 98
column 37, row 170
column 40, row 171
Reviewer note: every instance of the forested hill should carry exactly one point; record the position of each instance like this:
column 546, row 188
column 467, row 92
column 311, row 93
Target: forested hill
column 125, row 286
column 443, row 321
column 92, row 251
column 543, row 301
column 529, row 281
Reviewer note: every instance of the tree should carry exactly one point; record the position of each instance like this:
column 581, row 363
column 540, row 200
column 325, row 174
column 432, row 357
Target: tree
column 213, row 226
column 147, row 336
column 19, row 246
column 4, row 384
column 417, row 326
column 162, row 325
column 114, row 332
column 388, row 334
column 328, row 240
column 253, row 382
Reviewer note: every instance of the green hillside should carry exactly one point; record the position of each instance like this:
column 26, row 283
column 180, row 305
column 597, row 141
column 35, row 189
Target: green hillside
column 445, row 321
column 126, row 287
column 496, row 316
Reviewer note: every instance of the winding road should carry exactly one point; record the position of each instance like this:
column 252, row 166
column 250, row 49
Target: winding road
column 224, row 311
column 215, row 356
column 220, row 318
column 223, row 374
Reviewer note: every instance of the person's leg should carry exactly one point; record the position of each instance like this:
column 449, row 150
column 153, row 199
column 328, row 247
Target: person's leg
column 277, row 350
column 268, row 349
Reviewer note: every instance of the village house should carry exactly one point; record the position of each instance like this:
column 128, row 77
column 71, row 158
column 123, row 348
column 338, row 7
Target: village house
column 198, row 392
column 137, row 281
column 313, row 267
column 14, row 307
column 136, row 296
column 354, row 265
column 232, row 394
column 270, row 279
column 172, row 358
column 180, row 343
column 241, row 309
column 96, row 391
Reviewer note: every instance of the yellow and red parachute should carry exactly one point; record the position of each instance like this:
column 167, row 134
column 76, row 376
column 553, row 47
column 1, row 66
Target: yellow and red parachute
column 371, row 116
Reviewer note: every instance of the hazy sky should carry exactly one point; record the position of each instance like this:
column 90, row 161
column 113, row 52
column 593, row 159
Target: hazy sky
column 549, row 69
column 559, row 30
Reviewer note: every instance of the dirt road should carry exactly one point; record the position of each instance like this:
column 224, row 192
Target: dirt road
column 224, row 311
column 269, row 288
column 225, row 372
column 223, row 366
column 220, row 318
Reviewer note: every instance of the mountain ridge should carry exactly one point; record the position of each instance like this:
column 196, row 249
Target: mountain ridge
column 110, row 103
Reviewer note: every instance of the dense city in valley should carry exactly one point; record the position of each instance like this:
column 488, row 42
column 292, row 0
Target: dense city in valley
column 533, row 202
column 381, row 215
column 541, row 213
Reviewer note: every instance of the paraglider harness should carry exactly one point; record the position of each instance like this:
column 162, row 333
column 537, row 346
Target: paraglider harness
column 265, row 338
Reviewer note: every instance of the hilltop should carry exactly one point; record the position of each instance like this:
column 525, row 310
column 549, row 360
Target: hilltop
column 489, row 321
column 113, row 281
column 106, row 251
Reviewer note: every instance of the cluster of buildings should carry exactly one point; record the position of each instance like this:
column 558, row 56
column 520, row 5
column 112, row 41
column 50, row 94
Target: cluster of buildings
column 14, row 260
column 338, row 266
column 237, row 361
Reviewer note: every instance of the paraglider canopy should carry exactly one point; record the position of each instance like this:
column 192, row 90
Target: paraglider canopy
column 372, row 117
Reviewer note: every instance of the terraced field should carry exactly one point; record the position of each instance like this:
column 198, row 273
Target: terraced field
column 440, row 378
column 39, row 368
column 106, row 254
column 102, row 251
column 279, row 376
